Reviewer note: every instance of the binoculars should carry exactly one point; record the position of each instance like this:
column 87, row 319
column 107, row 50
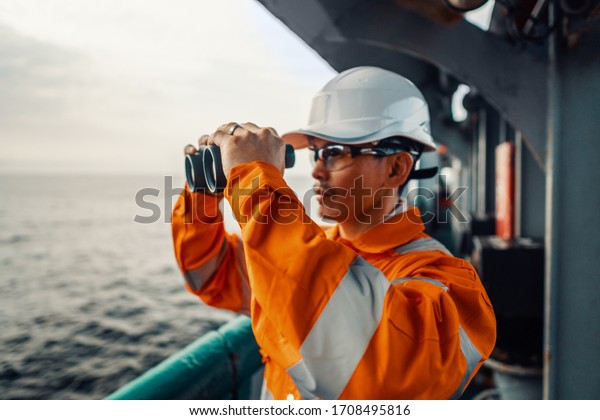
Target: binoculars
column 204, row 169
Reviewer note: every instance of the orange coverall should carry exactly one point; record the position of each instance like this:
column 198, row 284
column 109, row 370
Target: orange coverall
column 389, row 315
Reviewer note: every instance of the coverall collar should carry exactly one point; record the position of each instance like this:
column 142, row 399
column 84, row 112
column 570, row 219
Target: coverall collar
column 392, row 233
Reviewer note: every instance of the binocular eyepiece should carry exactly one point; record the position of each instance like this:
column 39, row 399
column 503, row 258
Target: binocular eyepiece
column 204, row 169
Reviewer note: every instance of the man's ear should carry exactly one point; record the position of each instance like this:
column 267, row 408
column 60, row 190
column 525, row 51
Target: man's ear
column 398, row 170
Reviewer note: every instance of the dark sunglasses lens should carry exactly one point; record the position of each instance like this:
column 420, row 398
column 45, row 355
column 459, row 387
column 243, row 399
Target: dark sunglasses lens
column 332, row 153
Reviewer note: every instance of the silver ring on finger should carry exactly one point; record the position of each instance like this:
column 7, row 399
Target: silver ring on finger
column 232, row 129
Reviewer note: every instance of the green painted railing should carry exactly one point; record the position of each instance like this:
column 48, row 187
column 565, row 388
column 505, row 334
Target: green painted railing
column 218, row 365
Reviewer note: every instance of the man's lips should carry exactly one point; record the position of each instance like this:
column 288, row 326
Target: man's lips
column 325, row 194
column 320, row 191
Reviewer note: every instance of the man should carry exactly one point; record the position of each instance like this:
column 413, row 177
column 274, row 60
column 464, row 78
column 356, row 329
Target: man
column 371, row 308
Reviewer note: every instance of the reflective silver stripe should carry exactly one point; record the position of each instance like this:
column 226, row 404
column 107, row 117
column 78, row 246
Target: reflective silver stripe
column 198, row 278
column 265, row 394
column 339, row 338
column 243, row 275
column 432, row 281
column 423, row 244
column 472, row 356
column 468, row 349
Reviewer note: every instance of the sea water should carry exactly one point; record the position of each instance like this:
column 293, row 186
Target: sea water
column 90, row 298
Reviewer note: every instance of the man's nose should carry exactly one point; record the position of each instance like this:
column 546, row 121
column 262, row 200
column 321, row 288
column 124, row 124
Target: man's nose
column 320, row 171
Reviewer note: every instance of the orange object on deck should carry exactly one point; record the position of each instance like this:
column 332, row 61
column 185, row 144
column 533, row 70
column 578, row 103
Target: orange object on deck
column 505, row 190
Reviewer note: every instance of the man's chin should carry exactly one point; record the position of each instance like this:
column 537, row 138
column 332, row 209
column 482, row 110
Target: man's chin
column 329, row 215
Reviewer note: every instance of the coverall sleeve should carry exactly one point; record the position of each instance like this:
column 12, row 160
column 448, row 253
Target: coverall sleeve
column 211, row 260
column 333, row 322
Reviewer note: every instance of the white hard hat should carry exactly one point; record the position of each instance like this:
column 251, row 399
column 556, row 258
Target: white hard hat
column 366, row 104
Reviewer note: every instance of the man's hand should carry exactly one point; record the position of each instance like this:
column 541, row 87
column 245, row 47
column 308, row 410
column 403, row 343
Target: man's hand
column 189, row 149
column 247, row 143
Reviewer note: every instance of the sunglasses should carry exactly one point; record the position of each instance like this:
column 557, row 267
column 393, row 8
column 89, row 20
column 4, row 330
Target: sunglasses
column 336, row 157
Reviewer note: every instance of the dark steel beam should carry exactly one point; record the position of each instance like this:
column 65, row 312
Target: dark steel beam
column 352, row 33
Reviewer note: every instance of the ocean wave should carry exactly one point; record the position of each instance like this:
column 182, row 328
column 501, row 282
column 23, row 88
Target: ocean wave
column 87, row 306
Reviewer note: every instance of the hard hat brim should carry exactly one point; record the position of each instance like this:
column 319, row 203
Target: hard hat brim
column 299, row 138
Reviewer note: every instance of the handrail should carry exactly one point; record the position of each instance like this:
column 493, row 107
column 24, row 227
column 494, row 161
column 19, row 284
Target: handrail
column 215, row 366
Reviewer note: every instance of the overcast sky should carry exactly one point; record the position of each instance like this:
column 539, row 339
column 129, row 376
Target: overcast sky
column 119, row 86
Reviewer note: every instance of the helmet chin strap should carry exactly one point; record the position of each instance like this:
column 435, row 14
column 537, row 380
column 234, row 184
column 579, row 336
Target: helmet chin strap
column 424, row 173
column 419, row 173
